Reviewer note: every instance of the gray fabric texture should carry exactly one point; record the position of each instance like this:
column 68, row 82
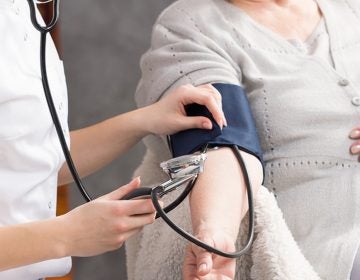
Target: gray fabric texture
column 304, row 108
column 355, row 273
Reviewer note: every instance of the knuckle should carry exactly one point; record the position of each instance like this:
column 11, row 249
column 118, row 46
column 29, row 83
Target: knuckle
column 119, row 241
column 120, row 227
column 208, row 98
column 150, row 206
column 206, row 86
column 117, row 210
column 217, row 95
column 186, row 88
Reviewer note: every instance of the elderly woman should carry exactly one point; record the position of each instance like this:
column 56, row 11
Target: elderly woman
column 296, row 62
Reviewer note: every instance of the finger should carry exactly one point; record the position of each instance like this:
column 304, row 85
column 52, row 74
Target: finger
column 125, row 236
column 196, row 122
column 194, row 95
column 123, row 190
column 136, row 207
column 209, row 88
column 355, row 148
column 218, row 97
column 129, row 223
column 355, row 133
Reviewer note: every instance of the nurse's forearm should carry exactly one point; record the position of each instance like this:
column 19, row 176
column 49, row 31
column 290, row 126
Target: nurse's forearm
column 219, row 200
column 30, row 243
column 94, row 147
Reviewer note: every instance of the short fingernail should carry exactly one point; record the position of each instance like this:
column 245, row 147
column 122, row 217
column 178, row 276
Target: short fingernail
column 355, row 149
column 221, row 123
column 355, row 133
column 202, row 267
column 136, row 179
column 225, row 122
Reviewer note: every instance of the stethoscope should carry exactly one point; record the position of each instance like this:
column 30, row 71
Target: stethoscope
column 182, row 170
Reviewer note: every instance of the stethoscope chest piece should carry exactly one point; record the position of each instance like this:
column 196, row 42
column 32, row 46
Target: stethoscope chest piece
column 184, row 165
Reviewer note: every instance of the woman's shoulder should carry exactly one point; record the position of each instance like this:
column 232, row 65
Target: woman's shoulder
column 201, row 21
column 188, row 8
column 199, row 13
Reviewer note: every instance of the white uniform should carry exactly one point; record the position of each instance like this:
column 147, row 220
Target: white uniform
column 30, row 153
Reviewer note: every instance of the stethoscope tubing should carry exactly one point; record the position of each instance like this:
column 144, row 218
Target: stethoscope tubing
column 54, row 20
column 147, row 193
column 44, row 30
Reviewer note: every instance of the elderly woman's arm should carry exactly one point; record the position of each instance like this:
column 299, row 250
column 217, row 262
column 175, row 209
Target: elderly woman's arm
column 181, row 53
column 218, row 203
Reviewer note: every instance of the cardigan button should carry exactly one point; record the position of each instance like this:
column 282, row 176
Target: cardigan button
column 343, row 82
column 356, row 100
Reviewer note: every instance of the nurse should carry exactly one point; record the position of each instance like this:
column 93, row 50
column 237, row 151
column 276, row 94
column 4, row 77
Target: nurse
column 34, row 243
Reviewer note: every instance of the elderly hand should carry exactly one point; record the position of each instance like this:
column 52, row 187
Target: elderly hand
column 355, row 135
column 202, row 265
column 168, row 115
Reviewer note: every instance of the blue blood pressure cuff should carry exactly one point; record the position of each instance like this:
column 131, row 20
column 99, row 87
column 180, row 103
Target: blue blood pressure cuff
column 240, row 130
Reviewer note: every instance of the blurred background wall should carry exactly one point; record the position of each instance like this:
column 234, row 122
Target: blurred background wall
column 102, row 43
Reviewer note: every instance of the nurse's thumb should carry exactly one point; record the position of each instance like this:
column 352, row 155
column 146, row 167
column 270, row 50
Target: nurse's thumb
column 197, row 122
column 123, row 190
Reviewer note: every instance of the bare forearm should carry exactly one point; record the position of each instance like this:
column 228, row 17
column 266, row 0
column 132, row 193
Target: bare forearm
column 219, row 200
column 94, row 147
column 30, row 243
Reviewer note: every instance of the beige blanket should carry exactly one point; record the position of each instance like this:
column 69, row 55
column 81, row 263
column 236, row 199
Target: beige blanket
column 157, row 252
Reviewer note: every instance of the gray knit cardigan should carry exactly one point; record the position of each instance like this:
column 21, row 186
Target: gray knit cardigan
column 304, row 108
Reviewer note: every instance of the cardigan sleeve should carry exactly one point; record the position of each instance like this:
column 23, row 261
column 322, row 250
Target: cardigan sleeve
column 182, row 52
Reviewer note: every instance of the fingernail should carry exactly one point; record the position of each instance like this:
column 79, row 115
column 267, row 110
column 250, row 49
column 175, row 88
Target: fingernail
column 202, row 267
column 224, row 119
column 355, row 149
column 355, row 133
column 221, row 123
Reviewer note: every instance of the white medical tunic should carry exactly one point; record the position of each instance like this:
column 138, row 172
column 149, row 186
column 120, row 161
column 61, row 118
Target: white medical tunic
column 30, row 153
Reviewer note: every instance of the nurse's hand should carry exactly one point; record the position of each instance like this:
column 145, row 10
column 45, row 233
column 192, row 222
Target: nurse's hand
column 105, row 223
column 168, row 116
column 202, row 265
column 355, row 135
